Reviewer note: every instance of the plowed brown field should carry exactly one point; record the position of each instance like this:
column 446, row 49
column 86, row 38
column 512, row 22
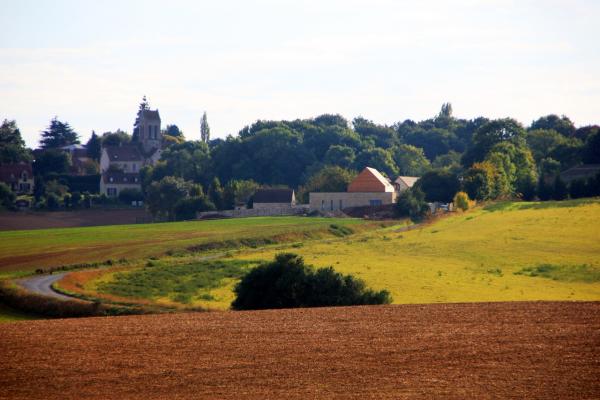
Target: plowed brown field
column 497, row 350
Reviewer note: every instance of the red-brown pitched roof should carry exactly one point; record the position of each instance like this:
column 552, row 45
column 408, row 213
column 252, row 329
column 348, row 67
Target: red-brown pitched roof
column 370, row 181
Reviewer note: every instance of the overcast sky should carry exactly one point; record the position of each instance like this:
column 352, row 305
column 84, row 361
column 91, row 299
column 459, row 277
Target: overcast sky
column 90, row 62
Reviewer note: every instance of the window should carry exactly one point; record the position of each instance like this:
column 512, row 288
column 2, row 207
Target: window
column 111, row 192
column 374, row 203
column 341, row 204
column 149, row 131
column 24, row 187
column 110, row 179
column 322, row 204
column 331, row 205
column 24, row 176
column 134, row 167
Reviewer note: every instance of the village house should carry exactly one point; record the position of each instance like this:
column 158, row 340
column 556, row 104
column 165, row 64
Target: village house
column 369, row 188
column 403, row 183
column 120, row 165
column 274, row 199
column 81, row 162
column 18, row 177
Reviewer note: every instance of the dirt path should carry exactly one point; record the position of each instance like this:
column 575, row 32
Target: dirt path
column 43, row 285
column 452, row 351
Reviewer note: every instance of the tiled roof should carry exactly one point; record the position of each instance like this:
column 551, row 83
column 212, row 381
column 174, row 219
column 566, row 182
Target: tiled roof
column 129, row 152
column 121, row 178
column 273, row 196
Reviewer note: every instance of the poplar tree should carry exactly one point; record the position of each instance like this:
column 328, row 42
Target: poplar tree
column 204, row 129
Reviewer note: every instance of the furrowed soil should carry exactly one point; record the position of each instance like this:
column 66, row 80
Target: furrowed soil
column 487, row 350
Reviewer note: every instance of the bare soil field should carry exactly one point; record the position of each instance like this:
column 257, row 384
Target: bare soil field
column 487, row 350
column 10, row 221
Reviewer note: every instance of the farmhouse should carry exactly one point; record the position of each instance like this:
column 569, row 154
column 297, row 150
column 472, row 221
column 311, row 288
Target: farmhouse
column 404, row 182
column 18, row 177
column 120, row 165
column 369, row 188
column 274, row 199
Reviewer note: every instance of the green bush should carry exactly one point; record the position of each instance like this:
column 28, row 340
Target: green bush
column 288, row 283
column 128, row 196
column 461, row 201
column 52, row 201
column 411, row 203
column 7, row 197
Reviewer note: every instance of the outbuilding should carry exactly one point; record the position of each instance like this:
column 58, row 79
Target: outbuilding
column 273, row 199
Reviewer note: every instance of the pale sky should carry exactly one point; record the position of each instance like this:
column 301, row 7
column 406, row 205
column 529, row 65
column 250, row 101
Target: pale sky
column 90, row 62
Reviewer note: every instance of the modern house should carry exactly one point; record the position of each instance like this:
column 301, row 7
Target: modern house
column 120, row 165
column 273, row 199
column 369, row 188
column 18, row 177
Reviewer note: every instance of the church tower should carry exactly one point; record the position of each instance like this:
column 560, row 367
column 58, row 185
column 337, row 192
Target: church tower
column 148, row 128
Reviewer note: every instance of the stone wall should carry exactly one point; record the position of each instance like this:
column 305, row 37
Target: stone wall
column 255, row 212
column 341, row 200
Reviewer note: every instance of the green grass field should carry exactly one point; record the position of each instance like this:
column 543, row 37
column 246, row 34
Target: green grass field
column 504, row 252
column 29, row 250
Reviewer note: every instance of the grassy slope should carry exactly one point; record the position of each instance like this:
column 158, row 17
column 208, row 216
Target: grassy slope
column 473, row 256
column 28, row 250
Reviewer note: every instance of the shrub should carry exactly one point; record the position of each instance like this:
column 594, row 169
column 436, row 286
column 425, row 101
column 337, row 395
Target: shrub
column 187, row 208
column 76, row 199
column 561, row 191
column 128, row 196
column 52, row 201
column 411, row 203
column 288, row 283
column 461, row 200
column 7, row 197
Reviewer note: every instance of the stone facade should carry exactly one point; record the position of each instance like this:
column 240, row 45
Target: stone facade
column 322, row 201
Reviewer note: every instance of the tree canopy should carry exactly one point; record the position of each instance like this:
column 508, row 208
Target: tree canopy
column 58, row 134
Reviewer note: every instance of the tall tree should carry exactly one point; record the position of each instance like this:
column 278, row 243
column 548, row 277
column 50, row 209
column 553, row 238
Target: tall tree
column 12, row 146
column 94, row 147
column 174, row 130
column 144, row 105
column 562, row 124
column 58, row 134
column 445, row 111
column 204, row 129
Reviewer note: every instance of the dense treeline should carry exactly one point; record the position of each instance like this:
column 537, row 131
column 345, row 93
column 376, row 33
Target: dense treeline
column 488, row 159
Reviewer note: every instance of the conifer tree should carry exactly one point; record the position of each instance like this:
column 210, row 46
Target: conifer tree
column 58, row 134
